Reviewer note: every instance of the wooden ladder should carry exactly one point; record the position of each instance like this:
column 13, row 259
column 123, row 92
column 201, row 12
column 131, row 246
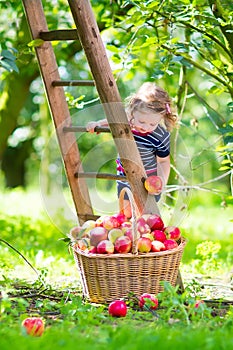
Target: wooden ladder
column 88, row 33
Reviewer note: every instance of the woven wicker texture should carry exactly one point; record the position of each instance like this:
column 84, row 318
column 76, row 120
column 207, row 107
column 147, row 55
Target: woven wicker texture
column 108, row 277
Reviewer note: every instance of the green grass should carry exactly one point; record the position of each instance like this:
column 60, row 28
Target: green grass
column 53, row 291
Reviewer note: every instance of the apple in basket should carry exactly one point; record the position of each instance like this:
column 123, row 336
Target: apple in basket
column 147, row 300
column 148, row 235
column 114, row 233
column 110, row 222
column 98, row 234
column 155, row 222
column 129, row 234
column 157, row 246
column 142, row 226
column 105, row 247
column 121, row 218
column 123, row 245
column 170, row 244
column 144, row 244
column 159, row 235
column 172, row 232
column 153, row 184
column 126, row 225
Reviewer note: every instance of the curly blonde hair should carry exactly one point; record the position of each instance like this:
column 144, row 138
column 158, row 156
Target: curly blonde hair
column 152, row 97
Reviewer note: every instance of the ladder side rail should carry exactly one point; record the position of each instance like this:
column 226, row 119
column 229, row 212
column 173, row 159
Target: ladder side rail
column 59, row 108
column 91, row 41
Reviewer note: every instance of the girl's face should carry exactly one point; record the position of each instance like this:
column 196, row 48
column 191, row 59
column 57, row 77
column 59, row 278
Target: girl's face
column 145, row 121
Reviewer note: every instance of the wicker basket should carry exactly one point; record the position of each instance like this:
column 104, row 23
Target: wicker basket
column 108, row 277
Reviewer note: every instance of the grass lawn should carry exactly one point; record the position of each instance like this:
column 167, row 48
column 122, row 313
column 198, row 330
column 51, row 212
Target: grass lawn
column 51, row 289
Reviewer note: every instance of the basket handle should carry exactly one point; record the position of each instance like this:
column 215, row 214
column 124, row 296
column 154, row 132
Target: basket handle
column 134, row 216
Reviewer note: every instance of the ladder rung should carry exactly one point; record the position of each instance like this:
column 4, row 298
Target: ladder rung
column 100, row 176
column 86, row 217
column 60, row 34
column 73, row 83
column 83, row 129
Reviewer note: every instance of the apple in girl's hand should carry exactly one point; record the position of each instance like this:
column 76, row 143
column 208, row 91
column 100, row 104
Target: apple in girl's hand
column 149, row 300
column 172, row 232
column 34, row 326
column 114, row 233
column 105, row 247
column 117, row 308
column 170, row 244
column 155, row 222
column 144, row 244
column 157, row 246
column 142, row 226
column 153, row 184
column 98, row 234
column 123, row 245
column 110, row 222
column 129, row 234
column 120, row 218
column 159, row 235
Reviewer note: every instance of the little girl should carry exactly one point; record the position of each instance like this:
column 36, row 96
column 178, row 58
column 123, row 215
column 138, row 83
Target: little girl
column 151, row 119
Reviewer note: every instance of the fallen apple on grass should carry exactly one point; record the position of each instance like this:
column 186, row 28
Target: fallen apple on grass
column 117, row 308
column 153, row 184
column 148, row 300
column 34, row 326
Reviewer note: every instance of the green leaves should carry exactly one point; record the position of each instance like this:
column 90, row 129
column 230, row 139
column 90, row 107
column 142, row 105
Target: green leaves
column 7, row 60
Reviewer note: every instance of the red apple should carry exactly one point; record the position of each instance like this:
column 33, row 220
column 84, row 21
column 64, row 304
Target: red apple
column 114, row 233
column 98, row 234
column 155, row 222
column 117, row 308
column 99, row 221
column 34, row 326
column 198, row 303
column 92, row 250
column 157, row 246
column 123, row 245
column 126, row 225
column 159, row 235
column 144, row 244
column 142, row 226
column 172, row 232
column 105, row 247
column 129, row 234
column 148, row 235
column 170, row 244
column 120, row 218
column 153, row 184
column 110, row 222
column 149, row 300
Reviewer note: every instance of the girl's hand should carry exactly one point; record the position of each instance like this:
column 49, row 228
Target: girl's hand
column 91, row 126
